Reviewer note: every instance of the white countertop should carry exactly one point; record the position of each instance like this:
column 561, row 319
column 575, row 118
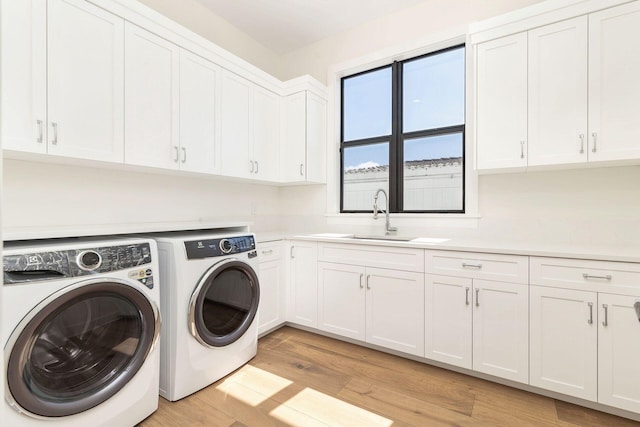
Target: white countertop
column 550, row 249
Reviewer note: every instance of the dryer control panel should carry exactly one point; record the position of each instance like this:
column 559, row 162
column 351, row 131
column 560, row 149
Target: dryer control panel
column 208, row 248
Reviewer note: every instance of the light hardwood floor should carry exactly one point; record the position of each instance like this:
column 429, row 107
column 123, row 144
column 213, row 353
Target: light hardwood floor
column 303, row 379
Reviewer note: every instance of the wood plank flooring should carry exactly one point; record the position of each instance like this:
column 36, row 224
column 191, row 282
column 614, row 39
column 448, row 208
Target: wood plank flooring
column 303, row 379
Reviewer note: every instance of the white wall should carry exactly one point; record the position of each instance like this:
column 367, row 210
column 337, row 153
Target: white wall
column 40, row 195
column 404, row 27
column 207, row 24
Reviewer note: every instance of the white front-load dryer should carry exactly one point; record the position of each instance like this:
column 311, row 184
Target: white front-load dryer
column 209, row 307
column 80, row 325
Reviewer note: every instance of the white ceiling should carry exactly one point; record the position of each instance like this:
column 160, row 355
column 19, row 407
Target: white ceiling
column 286, row 25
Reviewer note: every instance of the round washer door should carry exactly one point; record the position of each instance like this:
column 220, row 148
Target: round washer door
column 224, row 303
column 79, row 347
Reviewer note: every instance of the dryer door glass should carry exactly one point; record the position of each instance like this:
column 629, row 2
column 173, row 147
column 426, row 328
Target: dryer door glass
column 80, row 348
column 225, row 303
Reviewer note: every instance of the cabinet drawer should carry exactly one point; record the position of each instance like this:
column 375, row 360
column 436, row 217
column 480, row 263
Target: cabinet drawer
column 269, row 251
column 599, row 276
column 373, row 256
column 502, row 268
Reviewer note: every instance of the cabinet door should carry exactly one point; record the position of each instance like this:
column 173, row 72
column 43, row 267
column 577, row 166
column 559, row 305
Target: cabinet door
column 618, row 352
column 303, row 286
column 198, row 109
column 294, row 154
column 448, row 320
column 501, row 329
column 501, row 110
column 341, row 299
column 23, row 70
column 265, row 140
column 271, row 295
column 558, row 93
column 395, row 310
column 614, row 67
column 316, row 122
column 235, row 125
column 563, row 341
column 151, row 94
column 85, row 81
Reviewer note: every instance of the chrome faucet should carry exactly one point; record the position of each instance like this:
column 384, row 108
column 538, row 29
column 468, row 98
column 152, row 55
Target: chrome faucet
column 388, row 229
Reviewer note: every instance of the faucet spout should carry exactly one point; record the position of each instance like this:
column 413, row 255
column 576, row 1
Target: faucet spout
column 388, row 229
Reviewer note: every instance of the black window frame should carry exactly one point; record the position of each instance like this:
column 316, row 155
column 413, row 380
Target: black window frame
column 397, row 137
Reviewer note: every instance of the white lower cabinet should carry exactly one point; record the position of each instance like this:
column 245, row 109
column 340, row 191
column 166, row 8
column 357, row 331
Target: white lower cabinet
column 564, row 340
column 302, row 306
column 272, row 290
column 585, row 331
column 380, row 306
column 478, row 324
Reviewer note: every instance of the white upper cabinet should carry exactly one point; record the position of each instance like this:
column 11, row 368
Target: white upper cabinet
column 62, row 79
column 614, row 88
column 501, row 111
column 304, row 140
column 199, row 148
column 250, row 120
column 571, row 90
column 151, row 99
column 24, row 75
column 558, row 93
column 85, row 81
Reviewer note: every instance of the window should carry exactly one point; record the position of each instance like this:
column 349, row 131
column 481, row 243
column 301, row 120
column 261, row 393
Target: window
column 403, row 130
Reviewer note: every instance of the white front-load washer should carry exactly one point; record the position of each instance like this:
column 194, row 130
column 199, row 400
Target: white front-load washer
column 209, row 307
column 80, row 325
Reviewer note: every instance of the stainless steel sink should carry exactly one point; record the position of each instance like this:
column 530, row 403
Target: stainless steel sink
column 383, row 237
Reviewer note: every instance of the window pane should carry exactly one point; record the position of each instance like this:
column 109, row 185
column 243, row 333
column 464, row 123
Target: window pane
column 433, row 91
column 433, row 173
column 367, row 105
column 366, row 168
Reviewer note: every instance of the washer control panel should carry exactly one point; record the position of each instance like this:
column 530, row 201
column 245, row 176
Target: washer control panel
column 74, row 262
column 208, row 248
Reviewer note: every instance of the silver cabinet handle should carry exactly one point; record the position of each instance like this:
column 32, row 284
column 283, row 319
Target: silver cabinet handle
column 522, row 149
column 590, row 321
column 465, row 265
column 257, row 166
column 184, row 155
column 177, row 156
column 267, row 252
column 586, row 276
column 301, row 169
column 636, row 307
column 291, row 252
column 466, row 290
column 606, row 315
column 594, row 135
column 54, row 126
column 39, row 122
column 252, row 166
column 368, row 284
column 477, row 297
column 581, row 143
column 361, row 276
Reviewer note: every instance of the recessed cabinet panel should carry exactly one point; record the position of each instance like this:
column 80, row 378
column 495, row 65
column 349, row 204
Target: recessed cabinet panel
column 448, row 320
column 303, row 289
column 374, row 256
column 501, row 110
column 395, row 310
column 558, row 93
column 85, row 81
column 235, row 125
column 272, row 290
column 618, row 352
column 316, row 138
column 614, row 67
column 24, row 75
column 198, row 114
column 564, row 341
column 499, row 267
column 265, row 153
column 151, row 99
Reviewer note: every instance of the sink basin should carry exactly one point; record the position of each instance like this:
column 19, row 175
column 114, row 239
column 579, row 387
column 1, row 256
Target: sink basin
column 383, row 237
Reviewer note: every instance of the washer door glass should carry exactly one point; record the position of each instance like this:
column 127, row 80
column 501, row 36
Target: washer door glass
column 80, row 348
column 224, row 303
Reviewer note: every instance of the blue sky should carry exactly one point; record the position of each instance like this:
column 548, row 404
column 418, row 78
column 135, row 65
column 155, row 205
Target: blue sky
column 433, row 97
